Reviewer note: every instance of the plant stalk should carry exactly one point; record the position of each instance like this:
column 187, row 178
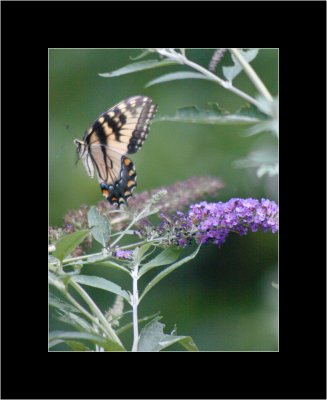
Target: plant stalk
column 135, row 303
column 252, row 74
column 181, row 59
column 109, row 330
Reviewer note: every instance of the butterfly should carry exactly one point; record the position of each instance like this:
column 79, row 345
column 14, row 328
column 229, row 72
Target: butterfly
column 118, row 131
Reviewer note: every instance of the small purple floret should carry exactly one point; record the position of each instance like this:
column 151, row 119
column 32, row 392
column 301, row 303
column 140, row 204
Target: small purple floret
column 123, row 254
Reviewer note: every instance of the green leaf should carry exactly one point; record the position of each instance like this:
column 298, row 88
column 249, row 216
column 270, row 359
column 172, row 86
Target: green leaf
column 167, row 271
column 139, row 321
column 106, row 343
column 76, row 321
column 115, row 265
column 231, row 72
column 53, row 260
column 271, row 170
column 264, row 158
column 55, row 281
column 55, row 302
column 139, row 252
column 100, row 226
column 215, row 116
column 152, row 338
column 167, row 256
column 101, row 283
column 54, row 342
column 138, row 66
column 251, row 111
column 177, row 76
column 142, row 55
column 69, row 243
column 77, row 346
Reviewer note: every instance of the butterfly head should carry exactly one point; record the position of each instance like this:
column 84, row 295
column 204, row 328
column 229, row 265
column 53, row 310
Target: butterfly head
column 80, row 147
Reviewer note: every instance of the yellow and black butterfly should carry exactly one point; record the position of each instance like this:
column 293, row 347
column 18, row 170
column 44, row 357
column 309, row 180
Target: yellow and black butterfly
column 119, row 131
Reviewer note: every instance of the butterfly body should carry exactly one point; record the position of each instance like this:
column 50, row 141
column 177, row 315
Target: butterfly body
column 119, row 131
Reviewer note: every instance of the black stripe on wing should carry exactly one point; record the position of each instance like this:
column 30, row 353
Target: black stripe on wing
column 128, row 123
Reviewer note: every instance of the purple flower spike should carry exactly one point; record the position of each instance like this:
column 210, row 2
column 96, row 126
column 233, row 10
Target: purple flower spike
column 213, row 222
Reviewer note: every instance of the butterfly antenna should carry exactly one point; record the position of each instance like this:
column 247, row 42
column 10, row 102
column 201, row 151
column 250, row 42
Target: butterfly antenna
column 68, row 129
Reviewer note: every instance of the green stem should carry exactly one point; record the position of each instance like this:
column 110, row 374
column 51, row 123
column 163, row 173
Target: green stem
column 135, row 303
column 135, row 219
column 181, row 59
column 105, row 324
column 252, row 74
column 86, row 256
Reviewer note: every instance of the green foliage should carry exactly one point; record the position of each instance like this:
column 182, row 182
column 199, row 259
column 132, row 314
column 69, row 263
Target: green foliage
column 167, row 271
column 138, row 66
column 140, row 252
column 174, row 76
column 101, row 283
column 231, row 73
column 68, row 243
column 167, row 256
column 100, row 226
column 57, row 337
column 216, row 115
column 153, row 338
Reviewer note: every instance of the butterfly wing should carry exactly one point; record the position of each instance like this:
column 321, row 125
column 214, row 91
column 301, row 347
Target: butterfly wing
column 119, row 131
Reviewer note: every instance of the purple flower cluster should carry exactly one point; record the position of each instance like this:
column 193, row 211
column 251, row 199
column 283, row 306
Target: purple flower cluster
column 123, row 254
column 214, row 221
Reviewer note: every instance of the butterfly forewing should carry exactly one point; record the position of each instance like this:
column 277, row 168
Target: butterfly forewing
column 119, row 131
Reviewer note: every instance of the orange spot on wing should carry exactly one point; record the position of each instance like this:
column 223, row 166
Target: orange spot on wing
column 105, row 192
column 127, row 161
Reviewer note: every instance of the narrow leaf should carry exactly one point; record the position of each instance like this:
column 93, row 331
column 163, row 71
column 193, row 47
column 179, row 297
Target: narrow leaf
column 167, row 256
column 139, row 252
column 69, row 243
column 141, row 55
column 139, row 321
column 100, row 226
column 113, row 264
column 215, row 116
column 55, row 302
column 77, row 322
column 101, row 283
column 106, row 343
column 167, row 271
column 177, row 76
column 77, row 346
column 188, row 343
column 138, row 66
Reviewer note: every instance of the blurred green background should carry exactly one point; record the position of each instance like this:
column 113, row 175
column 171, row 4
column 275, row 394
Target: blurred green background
column 224, row 298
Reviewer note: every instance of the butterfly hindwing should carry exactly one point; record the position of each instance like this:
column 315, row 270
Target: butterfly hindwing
column 119, row 131
column 122, row 189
